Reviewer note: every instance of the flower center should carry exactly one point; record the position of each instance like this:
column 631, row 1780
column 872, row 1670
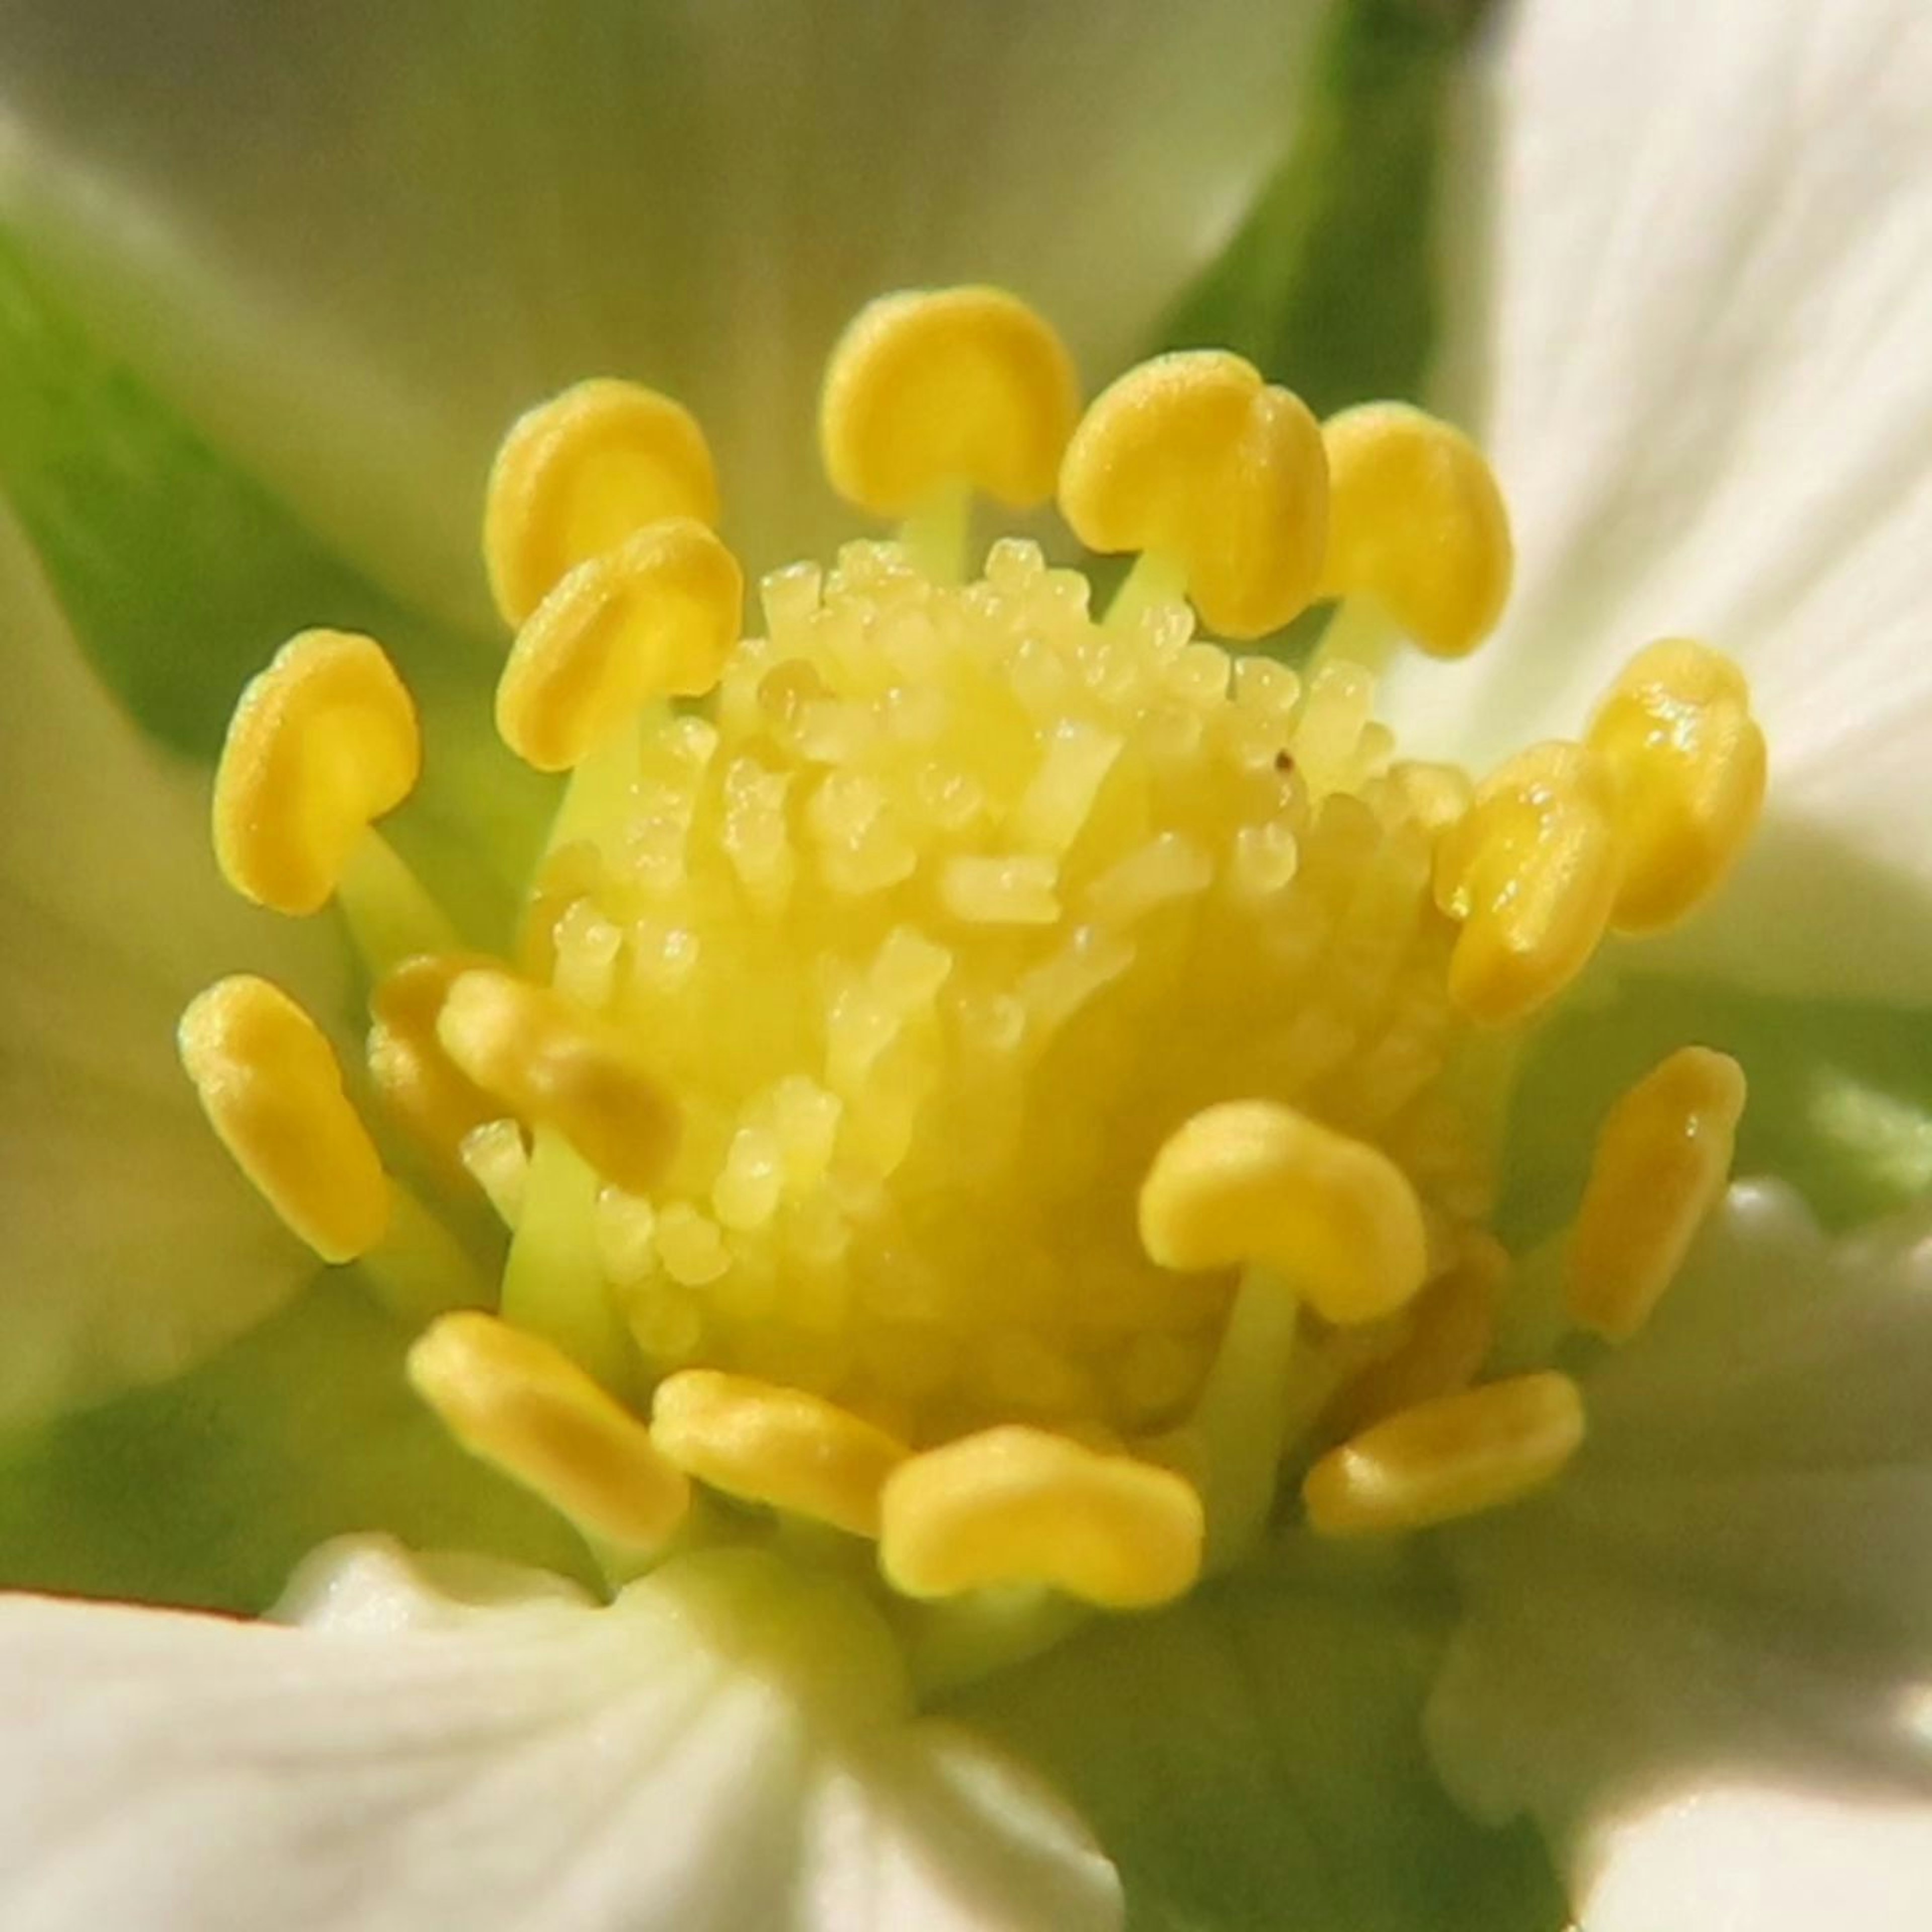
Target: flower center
column 992, row 1078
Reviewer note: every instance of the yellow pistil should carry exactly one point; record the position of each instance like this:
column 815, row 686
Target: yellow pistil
column 1416, row 522
column 930, row 390
column 654, row 618
column 581, row 473
column 566, row 1069
column 1194, row 457
column 1017, row 1505
column 272, row 1089
column 983, row 1079
column 1250, row 1181
column 1662, row 1158
column 516, row 1403
column 1455, row 1456
column 1687, row 763
column 323, row 743
column 779, row 1446
column 1531, row 870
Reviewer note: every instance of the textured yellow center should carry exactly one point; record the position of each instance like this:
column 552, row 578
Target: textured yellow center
column 952, row 908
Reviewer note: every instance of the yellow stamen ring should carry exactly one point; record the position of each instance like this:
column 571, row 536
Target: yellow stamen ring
column 421, row 1086
column 949, row 386
column 517, row 1403
column 272, row 1091
column 579, row 474
column 1415, row 520
column 1251, row 1180
column 1019, row 1505
column 1662, row 1158
column 1688, row 764
column 1193, row 456
column 654, row 618
column 552, row 1063
column 323, row 743
column 1453, row 1457
column 1531, row 870
column 779, row 1446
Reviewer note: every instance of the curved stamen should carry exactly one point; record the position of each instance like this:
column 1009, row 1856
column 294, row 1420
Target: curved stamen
column 1455, row 1456
column 1662, row 1158
column 1193, row 458
column 578, row 475
column 1020, row 1505
column 1253, row 1180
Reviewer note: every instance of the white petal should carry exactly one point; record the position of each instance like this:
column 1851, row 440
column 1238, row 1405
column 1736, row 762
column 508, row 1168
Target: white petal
column 725, row 1746
column 360, row 248
column 1713, row 1630
column 129, row 1245
column 1694, row 325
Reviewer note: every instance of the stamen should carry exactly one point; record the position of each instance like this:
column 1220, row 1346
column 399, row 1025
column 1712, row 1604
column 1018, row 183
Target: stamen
column 1452, row 1326
column 1193, row 458
column 1531, row 870
column 1688, row 765
column 578, row 475
column 324, row 743
column 513, row 1401
column 272, row 1092
column 778, row 1446
column 1662, row 1158
column 654, row 618
column 927, row 390
column 1019, row 1505
column 1415, row 520
column 1453, row 1457
column 419, row 1083
column 550, row 1063
column 1251, row 1180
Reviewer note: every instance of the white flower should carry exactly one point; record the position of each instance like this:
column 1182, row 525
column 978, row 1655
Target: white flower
column 1693, row 284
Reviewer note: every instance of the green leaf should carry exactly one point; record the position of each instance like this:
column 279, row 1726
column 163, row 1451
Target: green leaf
column 1839, row 1106
column 1329, row 285
column 206, row 1491
column 181, row 575
column 1253, row 1758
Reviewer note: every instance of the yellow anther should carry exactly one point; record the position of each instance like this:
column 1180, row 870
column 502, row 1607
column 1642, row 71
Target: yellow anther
column 1250, row 1181
column 1662, row 1158
column 1688, row 764
column 323, row 743
column 929, row 389
column 1531, row 871
column 1415, row 520
column 515, row 1402
column 578, row 475
column 1452, row 1324
column 551, row 1063
column 1192, row 456
column 774, row 1445
column 422, row 1086
column 655, row 617
column 273, row 1093
column 1453, row 1457
column 1017, row 1505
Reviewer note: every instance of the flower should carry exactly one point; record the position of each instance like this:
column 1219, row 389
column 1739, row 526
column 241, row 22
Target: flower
column 1336, row 1653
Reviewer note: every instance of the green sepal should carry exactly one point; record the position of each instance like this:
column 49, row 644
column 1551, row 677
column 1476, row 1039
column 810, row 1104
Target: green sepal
column 1840, row 1102
column 1329, row 285
column 206, row 1491
column 1252, row 1759
column 181, row 574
